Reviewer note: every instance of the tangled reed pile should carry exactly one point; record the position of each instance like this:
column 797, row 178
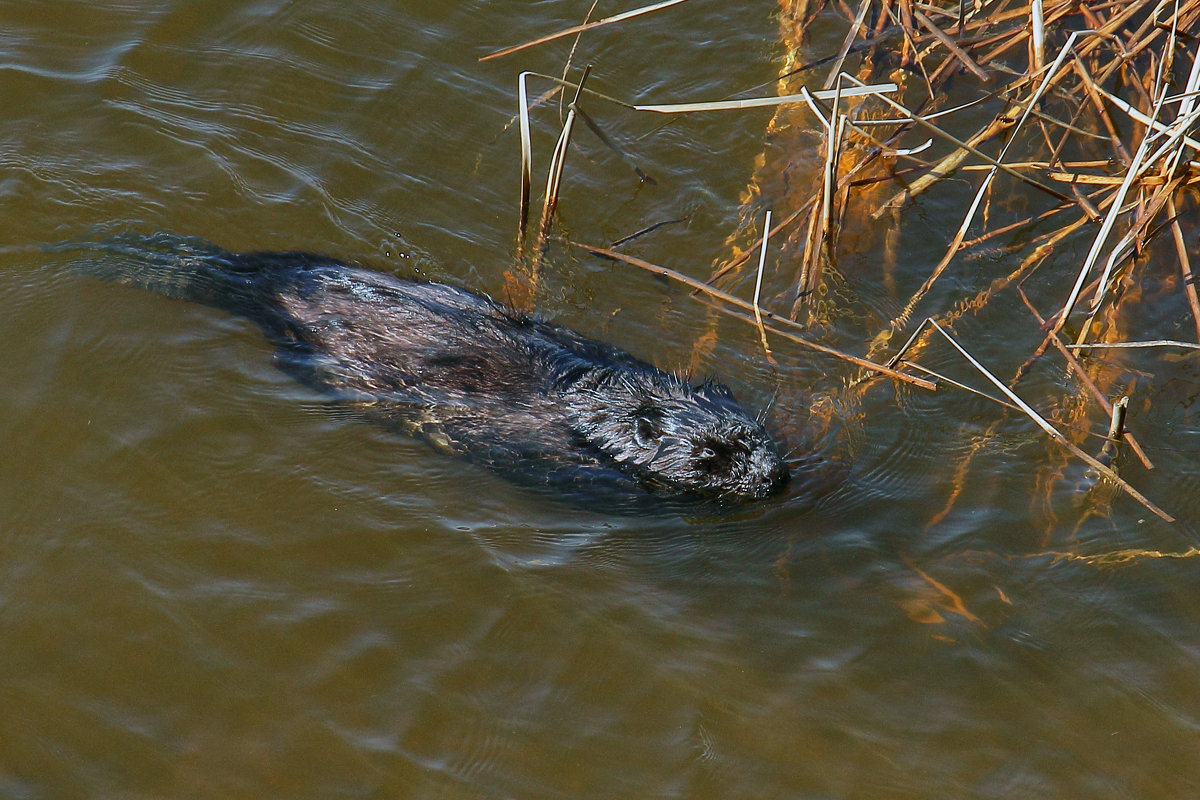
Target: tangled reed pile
column 1090, row 112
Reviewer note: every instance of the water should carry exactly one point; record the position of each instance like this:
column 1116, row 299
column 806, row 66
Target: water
column 214, row 585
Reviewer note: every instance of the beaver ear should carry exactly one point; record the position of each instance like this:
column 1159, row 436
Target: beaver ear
column 646, row 431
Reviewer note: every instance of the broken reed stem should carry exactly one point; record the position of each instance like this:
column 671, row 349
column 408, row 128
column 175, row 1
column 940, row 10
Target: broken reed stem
column 762, row 262
column 1116, row 429
column 831, row 169
column 526, row 162
column 554, row 180
column 822, row 229
column 1037, row 27
column 1117, row 426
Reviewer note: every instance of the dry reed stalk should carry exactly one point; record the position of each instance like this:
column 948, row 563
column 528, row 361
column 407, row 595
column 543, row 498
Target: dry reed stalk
column 920, row 337
column 855, row 27
column 862, row 90
column 587, row 26
column 1037, row 28
column 822, row 229
column 1120, row 345
column 520, row 290
column 1094, row 95
column 1130, row 243
column 1139, row 45
column 558, row 160
column 769, row 316
column 526, row 162
column 762, row 262
column 1051, row 431
column 1116, row 429
column 949, row 44
column 1116, row 210
column 1185, row 262
column 1084, row 378
column 566, row 70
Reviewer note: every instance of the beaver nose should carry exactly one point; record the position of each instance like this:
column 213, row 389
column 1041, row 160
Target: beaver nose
column 770, row 475
column 777, row 477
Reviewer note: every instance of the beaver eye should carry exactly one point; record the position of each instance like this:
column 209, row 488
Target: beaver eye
column 714, row 457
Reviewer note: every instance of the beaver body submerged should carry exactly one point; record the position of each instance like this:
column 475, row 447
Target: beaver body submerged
column 510, row 391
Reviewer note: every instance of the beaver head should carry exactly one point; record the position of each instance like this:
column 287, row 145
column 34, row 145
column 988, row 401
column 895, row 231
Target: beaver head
column 676, row 436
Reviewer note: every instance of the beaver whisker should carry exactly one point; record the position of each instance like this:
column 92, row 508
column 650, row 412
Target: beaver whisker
column 792, row 452
column 761, row 416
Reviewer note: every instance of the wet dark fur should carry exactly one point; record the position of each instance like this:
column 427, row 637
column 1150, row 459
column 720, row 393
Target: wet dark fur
column 506, row 390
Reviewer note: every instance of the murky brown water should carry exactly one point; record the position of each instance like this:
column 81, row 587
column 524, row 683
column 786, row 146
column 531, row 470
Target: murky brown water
column 213, row 586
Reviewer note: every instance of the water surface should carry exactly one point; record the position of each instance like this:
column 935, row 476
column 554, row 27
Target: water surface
column 214, row 585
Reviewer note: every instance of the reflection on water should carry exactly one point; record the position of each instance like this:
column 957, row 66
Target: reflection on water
column 213, row 585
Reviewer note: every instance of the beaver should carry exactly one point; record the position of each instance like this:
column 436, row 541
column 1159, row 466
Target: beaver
column 506, row 390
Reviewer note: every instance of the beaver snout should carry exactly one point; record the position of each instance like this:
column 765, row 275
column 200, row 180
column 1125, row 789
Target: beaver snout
column 774, row 475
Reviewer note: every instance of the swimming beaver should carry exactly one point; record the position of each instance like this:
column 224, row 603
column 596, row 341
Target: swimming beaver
column 507, row 390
